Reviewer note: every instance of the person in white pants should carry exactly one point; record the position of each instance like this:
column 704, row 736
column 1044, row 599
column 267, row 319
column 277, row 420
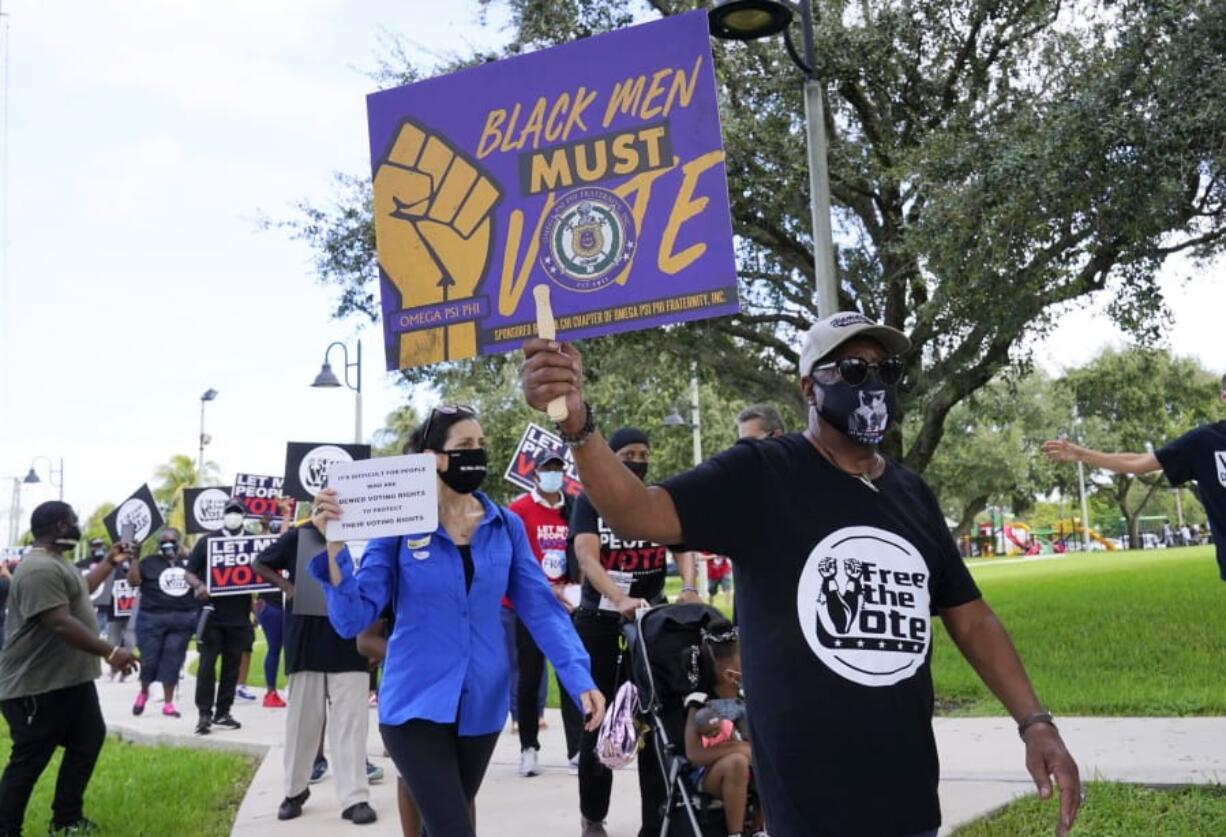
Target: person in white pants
column 329, row 679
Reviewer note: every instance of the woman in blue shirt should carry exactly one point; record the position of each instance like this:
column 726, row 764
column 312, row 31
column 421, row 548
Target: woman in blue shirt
column 443, row 699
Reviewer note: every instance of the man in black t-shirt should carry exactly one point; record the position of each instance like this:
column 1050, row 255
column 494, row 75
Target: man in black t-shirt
column 1198, row 455
column 841, row 559
column 620, row 575
column 327, row 678
column 228, row 631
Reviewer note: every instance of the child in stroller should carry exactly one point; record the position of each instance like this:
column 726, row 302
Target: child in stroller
column 716, row 735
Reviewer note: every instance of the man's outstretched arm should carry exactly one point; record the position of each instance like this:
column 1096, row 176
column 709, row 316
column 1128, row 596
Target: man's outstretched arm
column 633, row 510
column 1062, row 450
column 986, row 645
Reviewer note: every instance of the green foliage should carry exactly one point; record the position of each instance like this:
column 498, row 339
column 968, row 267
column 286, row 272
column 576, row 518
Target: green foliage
column 170, row 480
column 990, row 453
column 1132, row 399
column 1075, row 623
column 159, row 790
column 1113, row 809
column 94, row 527
column 992, row 162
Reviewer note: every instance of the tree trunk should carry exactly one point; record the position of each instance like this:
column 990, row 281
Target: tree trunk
column 969, row 512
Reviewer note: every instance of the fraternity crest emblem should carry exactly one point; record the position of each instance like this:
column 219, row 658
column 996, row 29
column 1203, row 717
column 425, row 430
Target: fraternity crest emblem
column 587, row 239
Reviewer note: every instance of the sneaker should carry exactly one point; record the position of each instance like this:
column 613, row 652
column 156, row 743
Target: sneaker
column 572, row 765
column 272, row 700
column 204, row 725
column 592, row 828
column 528, row 763
column 244, row 693
column 169, row 711
column 373, row 701
column 374, row 773
column 360, row 814
column 81, row 826
column 227, row 721
column 319, row 770
column 291, row 806
column 139, row 706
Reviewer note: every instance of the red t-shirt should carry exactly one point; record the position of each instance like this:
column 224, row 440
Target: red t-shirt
column 547, row 529
column 718, row 567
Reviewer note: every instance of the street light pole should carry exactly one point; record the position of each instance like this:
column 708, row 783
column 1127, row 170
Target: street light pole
column 209, row 395
column 824, row 275
column 15, row 513
column 327, row 378
column 52, row 472
column 748, row 20
column 695, row 416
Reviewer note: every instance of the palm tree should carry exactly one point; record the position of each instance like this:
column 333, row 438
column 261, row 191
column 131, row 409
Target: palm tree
column 180, row 473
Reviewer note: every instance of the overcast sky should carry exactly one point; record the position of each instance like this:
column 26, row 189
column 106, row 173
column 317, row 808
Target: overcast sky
column 145, row 139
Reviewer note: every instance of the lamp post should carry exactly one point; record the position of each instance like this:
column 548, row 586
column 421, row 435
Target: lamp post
column 751, row 20
column 674, row 419
column 209, row 395
column 15, row 513
column 327, row 378
column 32, row 477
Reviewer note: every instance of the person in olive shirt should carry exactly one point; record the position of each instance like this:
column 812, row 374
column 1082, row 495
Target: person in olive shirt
column 165, row 619
column 47, row 672
column 228, row 631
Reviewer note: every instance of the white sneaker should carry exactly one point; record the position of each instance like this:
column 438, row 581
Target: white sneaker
column 572, row 765
column 527, row 762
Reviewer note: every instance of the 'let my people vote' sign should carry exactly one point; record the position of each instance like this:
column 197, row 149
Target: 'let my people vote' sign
column 230, row 566
column 385, row 497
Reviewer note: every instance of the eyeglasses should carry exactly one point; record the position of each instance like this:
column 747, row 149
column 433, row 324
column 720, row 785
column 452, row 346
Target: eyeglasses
column 854, row 370
column 445, row 410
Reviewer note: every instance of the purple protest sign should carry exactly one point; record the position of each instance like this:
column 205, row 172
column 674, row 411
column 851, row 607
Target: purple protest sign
column 596, row 167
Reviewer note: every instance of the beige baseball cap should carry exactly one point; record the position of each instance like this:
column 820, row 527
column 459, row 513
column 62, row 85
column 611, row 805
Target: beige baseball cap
column 828, row 333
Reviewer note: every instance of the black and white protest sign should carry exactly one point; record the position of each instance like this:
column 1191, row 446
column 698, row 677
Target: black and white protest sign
column 203, row 509
column 141, row 511
column 306, row 465
column 263, row 496
column 384, row 497
column 123, row 599
column 230, row 566
column 534, row 447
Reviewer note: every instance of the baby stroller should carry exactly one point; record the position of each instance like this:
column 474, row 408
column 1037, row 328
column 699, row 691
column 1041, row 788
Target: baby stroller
column 664, row 648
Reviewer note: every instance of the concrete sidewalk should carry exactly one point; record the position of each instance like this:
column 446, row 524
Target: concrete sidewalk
column 982, row 767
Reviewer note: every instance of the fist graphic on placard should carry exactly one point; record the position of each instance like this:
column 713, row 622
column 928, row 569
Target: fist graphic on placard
column 433, row 220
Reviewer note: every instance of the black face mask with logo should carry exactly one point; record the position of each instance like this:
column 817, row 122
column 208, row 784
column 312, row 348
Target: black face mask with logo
column 466, row 469
column 863, row 413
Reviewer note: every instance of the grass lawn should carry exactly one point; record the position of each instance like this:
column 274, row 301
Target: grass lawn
column 1111, row 810
column 150, row 790
column 1111, row 633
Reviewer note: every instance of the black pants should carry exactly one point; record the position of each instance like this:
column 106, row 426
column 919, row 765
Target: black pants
column 228, row 642
column 600, row 633
column 68, row 718
column 531, row 666
column 443, row 771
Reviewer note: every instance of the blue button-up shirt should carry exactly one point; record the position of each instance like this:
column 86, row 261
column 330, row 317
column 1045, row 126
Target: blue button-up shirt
column 447, row 655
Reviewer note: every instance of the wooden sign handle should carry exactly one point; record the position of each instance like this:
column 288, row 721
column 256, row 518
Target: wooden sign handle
column 546, row 329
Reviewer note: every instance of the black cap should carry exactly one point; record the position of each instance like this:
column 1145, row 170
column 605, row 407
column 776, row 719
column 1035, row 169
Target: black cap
column 627, row 436
column 234, row 505
column 552, row 457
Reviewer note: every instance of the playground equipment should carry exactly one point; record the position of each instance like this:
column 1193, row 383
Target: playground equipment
column 1072, row 526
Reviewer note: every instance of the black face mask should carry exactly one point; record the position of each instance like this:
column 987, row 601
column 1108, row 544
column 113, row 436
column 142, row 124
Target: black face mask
column 70, row 538
column 861, row 413
column 169, row 547
column 639, row 469
column 465, row 469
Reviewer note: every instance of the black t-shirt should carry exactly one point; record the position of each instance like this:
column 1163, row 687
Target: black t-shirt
column 163, row 585
column 311, row 644
column 836, row 584
column 1200, row 455
column 230, row 611
column 640, row 564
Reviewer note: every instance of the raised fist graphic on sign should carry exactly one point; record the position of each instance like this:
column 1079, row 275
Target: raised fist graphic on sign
column 433, row 231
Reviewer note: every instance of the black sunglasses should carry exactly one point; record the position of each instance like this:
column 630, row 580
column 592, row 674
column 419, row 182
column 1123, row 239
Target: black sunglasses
column 854, row 370
column 444, row 410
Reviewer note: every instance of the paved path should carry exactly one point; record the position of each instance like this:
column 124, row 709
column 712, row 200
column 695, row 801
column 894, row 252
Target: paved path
column 981, row 758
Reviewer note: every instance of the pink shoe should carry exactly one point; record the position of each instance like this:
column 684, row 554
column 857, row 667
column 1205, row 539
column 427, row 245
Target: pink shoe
column 141, row 700
column 170, row 712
